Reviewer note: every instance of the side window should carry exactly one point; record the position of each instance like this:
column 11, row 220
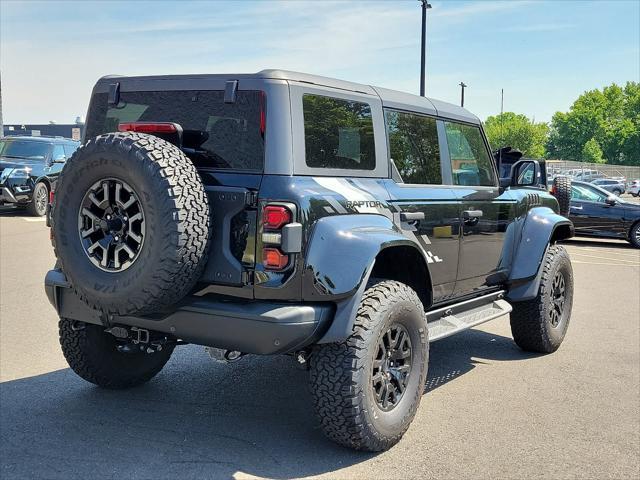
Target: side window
column 413, row 144
column 470, row 161
column 58, row 153
column 580, row 192
column 338, row 133
column 70, row 148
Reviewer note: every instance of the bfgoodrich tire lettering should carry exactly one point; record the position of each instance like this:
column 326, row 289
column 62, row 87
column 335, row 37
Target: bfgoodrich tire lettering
column 342, row 374
column 177, row 224
column 539, row 325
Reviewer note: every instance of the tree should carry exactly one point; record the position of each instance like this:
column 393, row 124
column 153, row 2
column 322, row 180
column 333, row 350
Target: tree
column 514, row 130
column 591, row 152
column 610, row 117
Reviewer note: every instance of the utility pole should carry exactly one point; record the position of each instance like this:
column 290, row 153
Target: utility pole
column 1, row 123
column 462, row 87
column 501, row 116
column 425, row 6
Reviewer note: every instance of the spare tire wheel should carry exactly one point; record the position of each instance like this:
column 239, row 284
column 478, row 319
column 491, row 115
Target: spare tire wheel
column 562, row 191
column 131, row 223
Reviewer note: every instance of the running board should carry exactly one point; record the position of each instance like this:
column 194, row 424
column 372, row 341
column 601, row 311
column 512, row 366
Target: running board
column 464, row 315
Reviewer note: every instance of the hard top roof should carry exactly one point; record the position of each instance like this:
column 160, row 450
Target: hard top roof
column 390, row 98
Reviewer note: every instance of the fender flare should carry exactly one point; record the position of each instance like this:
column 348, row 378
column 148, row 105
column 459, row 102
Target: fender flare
column 340, row 258
column 542, row 226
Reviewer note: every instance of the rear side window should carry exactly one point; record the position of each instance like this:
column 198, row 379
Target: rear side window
column 338, row 133
column 413, row 143
column 215, row 134
column 470, row 161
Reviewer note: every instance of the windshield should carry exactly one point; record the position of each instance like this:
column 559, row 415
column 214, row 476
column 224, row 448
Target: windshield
column 24, row 149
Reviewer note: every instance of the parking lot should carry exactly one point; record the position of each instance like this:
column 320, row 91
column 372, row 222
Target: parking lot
column 491, row 410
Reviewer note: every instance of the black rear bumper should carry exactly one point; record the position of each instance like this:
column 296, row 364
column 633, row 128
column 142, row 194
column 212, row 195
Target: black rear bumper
column 251, row 327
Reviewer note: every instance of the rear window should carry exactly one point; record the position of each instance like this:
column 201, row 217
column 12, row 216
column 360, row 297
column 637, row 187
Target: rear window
column 216, row 134
column 338, row 133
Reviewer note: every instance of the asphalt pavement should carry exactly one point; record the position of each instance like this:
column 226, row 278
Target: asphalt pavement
column 489, row 409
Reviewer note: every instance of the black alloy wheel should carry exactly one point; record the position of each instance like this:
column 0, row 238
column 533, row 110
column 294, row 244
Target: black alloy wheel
column 391, row 367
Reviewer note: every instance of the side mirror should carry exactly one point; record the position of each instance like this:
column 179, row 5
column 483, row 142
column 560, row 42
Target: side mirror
column 525, row 173
column 611, row 201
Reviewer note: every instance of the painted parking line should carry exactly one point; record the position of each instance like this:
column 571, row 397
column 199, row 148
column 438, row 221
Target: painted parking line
column 606, row 264
column 604, row 258
column 33, row 219
column 626, row 253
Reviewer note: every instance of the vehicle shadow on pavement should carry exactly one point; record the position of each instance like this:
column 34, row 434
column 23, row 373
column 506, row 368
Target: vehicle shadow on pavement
column 195, row 419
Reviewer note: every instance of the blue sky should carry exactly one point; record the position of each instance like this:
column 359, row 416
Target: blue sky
column 543, row 53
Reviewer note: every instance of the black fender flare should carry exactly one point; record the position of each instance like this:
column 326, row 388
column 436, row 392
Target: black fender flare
column 340, row 258
column 541, row 227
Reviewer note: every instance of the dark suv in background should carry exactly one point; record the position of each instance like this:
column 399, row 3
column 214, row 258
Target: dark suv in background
column 29, row 168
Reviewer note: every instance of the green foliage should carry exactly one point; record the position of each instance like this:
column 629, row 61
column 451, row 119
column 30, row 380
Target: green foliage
column 608, row 118
column 591, row 152
column 513, row 130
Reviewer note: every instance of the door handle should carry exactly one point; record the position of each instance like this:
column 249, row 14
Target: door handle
column 573, row 207
column 411, row 216
column 469, row 214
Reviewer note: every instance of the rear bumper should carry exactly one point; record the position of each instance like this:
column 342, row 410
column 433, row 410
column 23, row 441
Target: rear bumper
column 251, row 327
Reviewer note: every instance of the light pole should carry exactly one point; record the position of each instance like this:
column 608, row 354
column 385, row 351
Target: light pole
column 462, row 87
column 425, row 5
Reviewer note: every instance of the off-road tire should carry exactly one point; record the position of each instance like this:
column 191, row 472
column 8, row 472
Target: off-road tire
column 341, row 373
column 562, row 192
column 36, row 207
column 634, row 235
column 176, row 209
column 92, row 354
column 531, row 321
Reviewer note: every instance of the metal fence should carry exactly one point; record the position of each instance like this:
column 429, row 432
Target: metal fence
column 573, row 168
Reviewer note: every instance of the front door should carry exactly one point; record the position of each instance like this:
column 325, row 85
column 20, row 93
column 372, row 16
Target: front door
column 591, row 215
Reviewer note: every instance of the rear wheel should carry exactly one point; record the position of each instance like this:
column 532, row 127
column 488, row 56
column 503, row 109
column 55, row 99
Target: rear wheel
column 94, row 355
column 617, row 192
column 38, row 204
column 539, row 325
column 367, row 389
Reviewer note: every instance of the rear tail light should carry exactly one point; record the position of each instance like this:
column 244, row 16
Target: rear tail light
column 274, row 259
column 148, row 127
column 274, row 218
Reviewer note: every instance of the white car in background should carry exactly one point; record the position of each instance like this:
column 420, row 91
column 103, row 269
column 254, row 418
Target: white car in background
column 634, row 188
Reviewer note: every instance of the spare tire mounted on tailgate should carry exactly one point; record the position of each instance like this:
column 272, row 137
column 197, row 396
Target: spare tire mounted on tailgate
column 131, row 223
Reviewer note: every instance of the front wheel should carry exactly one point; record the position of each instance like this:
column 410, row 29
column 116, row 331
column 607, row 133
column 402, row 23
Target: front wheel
column 540, row 324
column 366, row 390
column 94, row 355
column 38, row 204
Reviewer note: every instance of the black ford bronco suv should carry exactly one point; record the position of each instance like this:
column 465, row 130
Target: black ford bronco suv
column 284, row 213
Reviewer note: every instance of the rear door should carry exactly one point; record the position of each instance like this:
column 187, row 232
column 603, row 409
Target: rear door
column 429, row 209
column 485, row 213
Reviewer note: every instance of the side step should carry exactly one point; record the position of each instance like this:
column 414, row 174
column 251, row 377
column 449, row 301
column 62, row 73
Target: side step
column 446, row 321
